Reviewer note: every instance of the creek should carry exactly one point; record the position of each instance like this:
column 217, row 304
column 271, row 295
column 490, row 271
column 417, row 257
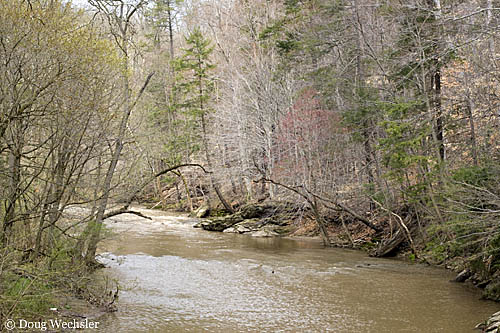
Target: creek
column 176, row 278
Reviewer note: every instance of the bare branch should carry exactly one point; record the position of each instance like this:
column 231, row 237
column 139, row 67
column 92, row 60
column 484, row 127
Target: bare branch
column 401, row 223
column 123, row 210
column 343, row 207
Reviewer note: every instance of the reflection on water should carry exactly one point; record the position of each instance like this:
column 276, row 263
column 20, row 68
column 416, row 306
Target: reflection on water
column 181, row 279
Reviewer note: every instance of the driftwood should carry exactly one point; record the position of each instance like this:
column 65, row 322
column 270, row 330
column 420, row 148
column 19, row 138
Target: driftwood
column 402, row 225
column 395, row 241
column 388, row 246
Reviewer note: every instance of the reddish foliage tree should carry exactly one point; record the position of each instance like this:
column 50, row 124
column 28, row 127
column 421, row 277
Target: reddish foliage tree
column 302, row 136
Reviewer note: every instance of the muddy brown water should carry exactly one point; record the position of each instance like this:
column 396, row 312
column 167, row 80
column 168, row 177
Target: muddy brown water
column 180, row 279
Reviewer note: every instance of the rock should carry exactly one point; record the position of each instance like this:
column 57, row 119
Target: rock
column 237, row 229
column 492, row 290
column 264, row 233
column 241, row 229
column 280, row 210
column 463, row 276
column 275, row 218
column 482, row 283
column 221, row 223
column 253, row 211
column 480, row 326
column 493, row 328
column 491, row 325
column 495, row 317
column 202, row 212
column 251, row 225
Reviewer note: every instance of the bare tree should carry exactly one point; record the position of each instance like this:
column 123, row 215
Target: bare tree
column 119, row 15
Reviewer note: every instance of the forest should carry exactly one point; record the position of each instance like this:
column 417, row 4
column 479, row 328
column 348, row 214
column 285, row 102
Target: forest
column 379, row 118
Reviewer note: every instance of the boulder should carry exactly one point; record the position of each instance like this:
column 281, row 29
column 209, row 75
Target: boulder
column 241, row 229
column 221, row 223
column 238, row 229
column 264, row 233
column 253, row 211
column 463, row 276
column 279, row 210
column 491, row 325
column 495, row 318
column 492, row 290
column 202, row 212
column 252, row 224
column 262, row 220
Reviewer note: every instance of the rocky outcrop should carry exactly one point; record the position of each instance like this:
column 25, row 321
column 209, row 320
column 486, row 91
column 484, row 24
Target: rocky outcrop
column 220, row 223
column 266, row 227
column 463, row 276
column 202, row 212
column 492, row 325
column 483, row 273
column 265, row 233
column 259, row 220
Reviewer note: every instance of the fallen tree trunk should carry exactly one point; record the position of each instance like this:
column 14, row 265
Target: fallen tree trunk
column 388, row 246
column 402, row 226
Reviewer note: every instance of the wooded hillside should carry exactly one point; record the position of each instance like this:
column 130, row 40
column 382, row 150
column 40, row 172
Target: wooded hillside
column 384, row 111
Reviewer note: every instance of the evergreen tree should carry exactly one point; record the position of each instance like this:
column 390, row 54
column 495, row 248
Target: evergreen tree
column 196, row 88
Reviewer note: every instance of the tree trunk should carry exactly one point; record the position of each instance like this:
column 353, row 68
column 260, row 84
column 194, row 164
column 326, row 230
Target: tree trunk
column 214, row 186
column 470, row 114
column 186, row 188
column 95, row 227
column 438, row 111
column 51, row 208
column 14, row 174
column 435, row 7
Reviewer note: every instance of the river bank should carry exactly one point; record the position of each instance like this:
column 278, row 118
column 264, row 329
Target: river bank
column 179, row 278
column 279, row 219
